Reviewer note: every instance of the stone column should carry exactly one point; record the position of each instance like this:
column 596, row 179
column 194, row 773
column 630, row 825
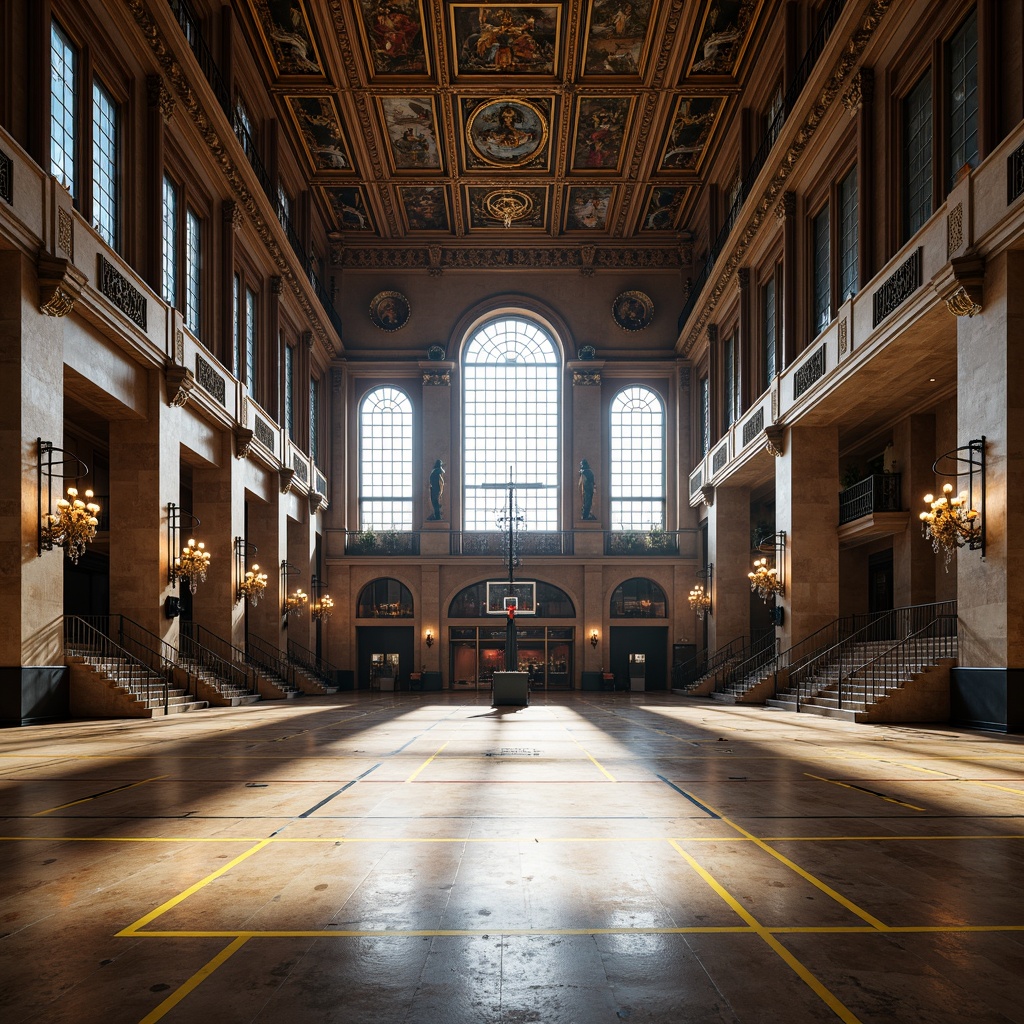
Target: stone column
column 436, row 435
column 807, row 509
column 267, row 532
column 145, row 476
column 430, row 617
column 913, row 559
column 594, row 616
column 729, row 553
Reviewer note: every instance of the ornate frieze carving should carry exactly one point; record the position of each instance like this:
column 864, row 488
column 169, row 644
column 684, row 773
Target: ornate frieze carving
column 843, row 337
column 487, row 258
column 785, row 209
column 587, row 253
column 775, row 401
column 66, row 232
column 696, row 480
column 180, row 382
column 753, row 426
column 179, row 346
column 210, row 380
column 275, row 285
column 307, row 338
column 861, row 91
column 264, row 433
column 301, row 467
column 231, row 214
column 159, row 96
column 809, row 372
column 122, row 293
column 712, row 334
column 6, row 178
column 897, row 287
column 1015, row 174
column 60, row 285
column 435, row 254
column 954, row 229
column 586, row 378
column 437, row 379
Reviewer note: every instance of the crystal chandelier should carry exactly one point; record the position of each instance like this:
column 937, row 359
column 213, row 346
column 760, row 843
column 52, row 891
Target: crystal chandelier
column 295, row 602
column 73, row 525
column 253, row 584
column 764, row 581
column 191, row 565
column 700, row 600
column 321, row 610
column 950, row 522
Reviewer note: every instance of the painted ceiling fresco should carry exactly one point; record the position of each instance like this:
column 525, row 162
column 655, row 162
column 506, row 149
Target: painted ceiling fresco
column 421, row 120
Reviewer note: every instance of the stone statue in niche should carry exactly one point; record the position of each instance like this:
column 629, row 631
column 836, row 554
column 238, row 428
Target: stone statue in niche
column 586, row 485
column 436, row 490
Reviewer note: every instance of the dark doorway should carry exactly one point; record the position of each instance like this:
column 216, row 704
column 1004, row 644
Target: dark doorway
column 385, row 641
column 880, row 597
column 650, row 641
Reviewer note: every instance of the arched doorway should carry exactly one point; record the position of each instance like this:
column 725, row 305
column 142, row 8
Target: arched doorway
column 639, row 650
column 385, row 650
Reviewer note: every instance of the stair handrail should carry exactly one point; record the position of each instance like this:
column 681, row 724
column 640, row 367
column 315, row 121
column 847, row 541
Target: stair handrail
column 262, row 654
column 312, row 662
column 762, row 651
column 234, row 671
column 894, row 663
column 82, row 637
column 917, row 615
column 701, row 666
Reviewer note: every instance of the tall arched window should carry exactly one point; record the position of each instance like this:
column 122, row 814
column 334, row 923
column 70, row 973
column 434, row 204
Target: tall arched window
column 637, row 460
column 511, row 419
column 385, row 460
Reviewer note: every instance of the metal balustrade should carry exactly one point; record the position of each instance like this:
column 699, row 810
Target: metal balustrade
column 215, row 656
column 877, row 493
column 312, row 663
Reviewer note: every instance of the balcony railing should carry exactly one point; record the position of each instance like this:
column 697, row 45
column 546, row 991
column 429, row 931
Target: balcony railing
column 494, row 542
column 641, row 542
column 382, row 542
column 877, row 493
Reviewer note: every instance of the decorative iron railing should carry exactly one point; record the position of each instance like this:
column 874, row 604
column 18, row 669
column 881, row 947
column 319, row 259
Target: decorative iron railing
column 382, row 542
column 877, row 493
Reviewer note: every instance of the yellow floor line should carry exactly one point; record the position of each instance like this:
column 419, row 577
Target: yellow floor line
column 600, row 766
column 109, row 792
column 197, row 979
column 428, row 760
column 164, row 907
column 773, row 943
column 806, row 875
column 442, row 933
column 861, row 789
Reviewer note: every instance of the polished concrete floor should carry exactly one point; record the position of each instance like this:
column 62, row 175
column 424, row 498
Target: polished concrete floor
column 424, row 858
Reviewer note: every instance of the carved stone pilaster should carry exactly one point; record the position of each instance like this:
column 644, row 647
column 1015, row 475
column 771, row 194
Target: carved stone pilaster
column 60, row 285
column 232, row 215
column 65, row 232
column 337, row 381
column 287, row 476
column 786, row 207
column 160, row 96
column 243, row 442
column 179, row 346
column 743, row 277
column 686, row 253
column 180, row 382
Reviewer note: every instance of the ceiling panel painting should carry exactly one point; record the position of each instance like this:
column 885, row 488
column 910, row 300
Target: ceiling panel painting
column 723, row 37
column 393, row 35
column 426, row 207
column 319, row 125
column 517, row 39
column 600, row 131
column 411, row 124
column 349, row 208
column 288, row 36
column 506, row 132
column 617, row 37
column 587, row 206
column 692, row 125
column 492, row 206
column 663, row 205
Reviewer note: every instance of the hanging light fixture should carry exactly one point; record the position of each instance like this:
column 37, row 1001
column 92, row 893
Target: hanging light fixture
column 321, row 609
column 950, row 522
column 73, row 525
column 253, row 584
column 764, row 580
column 700, row 600
column 191, row 565
column 295, row 602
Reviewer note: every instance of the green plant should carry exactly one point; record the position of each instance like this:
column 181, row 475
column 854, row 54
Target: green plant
column 852, row 474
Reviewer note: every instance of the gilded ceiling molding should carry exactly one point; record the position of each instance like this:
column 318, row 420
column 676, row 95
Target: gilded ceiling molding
column 867, row 25
column 190, row 101
column 437, row 258
column 346, row 49
column 671, row 27
column 60, row 285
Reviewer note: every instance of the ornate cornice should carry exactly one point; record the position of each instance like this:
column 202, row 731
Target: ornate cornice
column 437, row 378
column 866, row 26
column 190, row 101
column 436, row 259
column 586, row 378
column 60, row 285
column 180, row 382
column 861, row 91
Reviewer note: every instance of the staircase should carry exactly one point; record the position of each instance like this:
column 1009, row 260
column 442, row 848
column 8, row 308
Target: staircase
column 312, row 674
column 276, row 676
column 698, row 677
column 881, row 680
column 749, row 678
column 219, row 670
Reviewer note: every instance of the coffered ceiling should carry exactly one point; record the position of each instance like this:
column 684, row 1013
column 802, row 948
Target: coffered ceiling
column 421, row 121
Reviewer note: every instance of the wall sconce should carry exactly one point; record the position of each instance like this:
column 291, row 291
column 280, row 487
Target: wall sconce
column 429, row 639
column 766, row 580
column 251, row 583
column 700, row 598
column 74, row 523
column 953, row 522
column 296, row 601
column 323, row 604
column 593, row 638
column 194, row 561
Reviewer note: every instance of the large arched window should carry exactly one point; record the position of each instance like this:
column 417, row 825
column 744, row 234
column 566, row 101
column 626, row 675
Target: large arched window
column 385, row 598
column 385, row 460
column 511, row 419
column 471, row 603
column 637, row 460
column 639, row 598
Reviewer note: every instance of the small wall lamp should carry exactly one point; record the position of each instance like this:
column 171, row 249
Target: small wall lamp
column 593, row 638
column 429, row 639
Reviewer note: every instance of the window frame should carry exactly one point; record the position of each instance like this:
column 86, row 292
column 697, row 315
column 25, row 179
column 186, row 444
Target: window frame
column 114, row 192
column 656, row 495
column 399, row 396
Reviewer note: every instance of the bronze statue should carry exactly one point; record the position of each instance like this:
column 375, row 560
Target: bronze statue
column 586, row 490
column 436, row 490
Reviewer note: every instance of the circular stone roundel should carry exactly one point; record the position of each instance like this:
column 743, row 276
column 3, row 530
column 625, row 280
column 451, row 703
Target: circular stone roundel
column 389, row 311
column 633, row 311
column 507, row 132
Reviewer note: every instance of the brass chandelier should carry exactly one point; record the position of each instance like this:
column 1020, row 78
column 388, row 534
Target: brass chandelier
column 700, row 601
column 192, row 564
column 950, row 522
column 73, row 525
column 764, row 580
